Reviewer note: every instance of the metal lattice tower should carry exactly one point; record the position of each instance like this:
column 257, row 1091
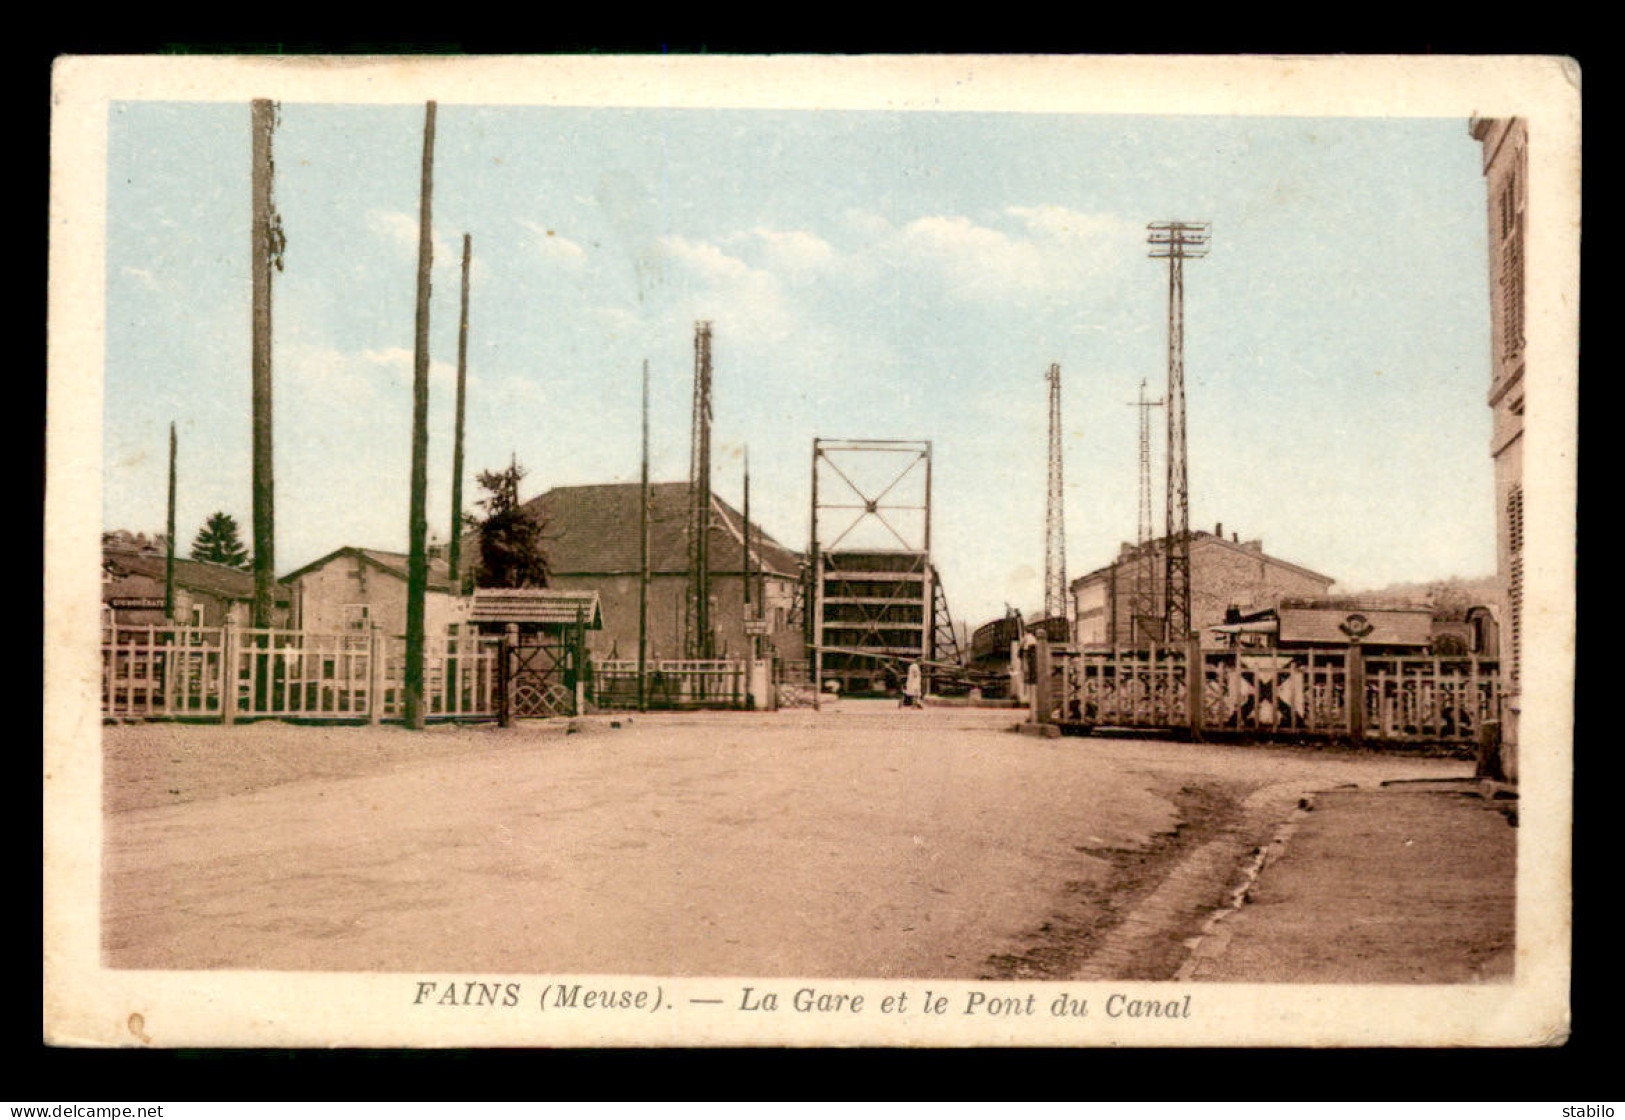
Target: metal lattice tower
column 699, row 640
column 944, row 639
column 1145, row 564
column 1055, row 512
column 1175, row 242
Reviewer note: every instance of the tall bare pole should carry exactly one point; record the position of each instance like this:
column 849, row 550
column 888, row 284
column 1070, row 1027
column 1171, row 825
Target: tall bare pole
column 169, row 536
column 813, row 596
column 1176, row 241
column 1141, row 627
column 643, row 552
column 700, row 640
column 265, row 254
column 749, row 566
column 417, row 570
column 455, row 556
column 749, row 572
column 1055, row 513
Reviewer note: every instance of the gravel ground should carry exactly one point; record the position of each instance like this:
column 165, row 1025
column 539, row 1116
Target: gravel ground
column 1405, row 884
column 859, row 841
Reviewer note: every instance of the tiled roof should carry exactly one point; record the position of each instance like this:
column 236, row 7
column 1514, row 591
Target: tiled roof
column 1199, row 538
column 395, row 563
column 594, row 530
column 194, row 575
column 548, row 606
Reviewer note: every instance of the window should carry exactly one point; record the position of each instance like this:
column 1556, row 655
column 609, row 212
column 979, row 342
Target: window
column 1512, row 295
column 356, row 616
column 1515, row 577
column 1512, row 267
column 197, row 614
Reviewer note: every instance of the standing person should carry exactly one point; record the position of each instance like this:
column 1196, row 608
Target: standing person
column 912, row 687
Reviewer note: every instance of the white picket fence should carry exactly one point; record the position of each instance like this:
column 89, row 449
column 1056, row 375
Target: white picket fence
column 230, row 673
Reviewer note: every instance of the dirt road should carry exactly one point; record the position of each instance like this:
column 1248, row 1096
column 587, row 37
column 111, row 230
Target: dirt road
column 859, row 841
column 1411, row 883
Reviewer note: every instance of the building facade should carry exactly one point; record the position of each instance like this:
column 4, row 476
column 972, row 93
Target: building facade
column 355, row 588
column 875, row 616
column 134, row 578
column 1119, row 605
column 1506, row 170
column 590, row 535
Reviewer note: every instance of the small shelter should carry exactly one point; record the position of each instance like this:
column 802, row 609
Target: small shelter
column 544, row 668
column 535, row 610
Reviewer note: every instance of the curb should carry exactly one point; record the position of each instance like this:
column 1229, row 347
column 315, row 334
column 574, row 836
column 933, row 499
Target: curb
column 1211, row 940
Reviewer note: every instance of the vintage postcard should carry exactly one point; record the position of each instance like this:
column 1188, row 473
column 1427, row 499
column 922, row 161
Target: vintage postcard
column 905, row 551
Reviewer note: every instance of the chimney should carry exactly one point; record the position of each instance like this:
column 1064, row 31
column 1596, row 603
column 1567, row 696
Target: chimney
column 1218, row 529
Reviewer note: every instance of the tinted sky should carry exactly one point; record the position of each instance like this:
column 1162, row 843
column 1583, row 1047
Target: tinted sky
column 867, row 274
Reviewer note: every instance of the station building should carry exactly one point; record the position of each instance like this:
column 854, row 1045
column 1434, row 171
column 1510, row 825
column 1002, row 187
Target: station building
column 1122, row 603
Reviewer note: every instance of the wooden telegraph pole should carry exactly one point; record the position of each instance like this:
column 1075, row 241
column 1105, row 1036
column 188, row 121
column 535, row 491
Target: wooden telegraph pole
column 417, row 571
column 266, row 254
column 169, row 539
column 454, row 559
column 643, row 553
column 750, row 637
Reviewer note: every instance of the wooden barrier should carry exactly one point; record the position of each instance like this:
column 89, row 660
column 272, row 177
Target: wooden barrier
column 231, row 673
column 1353, row 695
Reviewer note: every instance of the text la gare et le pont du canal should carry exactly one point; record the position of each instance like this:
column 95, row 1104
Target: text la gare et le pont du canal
column 566, row 997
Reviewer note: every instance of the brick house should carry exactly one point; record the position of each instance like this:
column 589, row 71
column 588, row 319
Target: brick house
column 1506, row 173
column 590, row 538
column 352, row 588
column 1225, row 574
column 133, row 580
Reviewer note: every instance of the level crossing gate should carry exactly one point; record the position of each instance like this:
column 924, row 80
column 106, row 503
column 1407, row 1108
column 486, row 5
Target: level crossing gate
column 1336, row 694
column 542, row 676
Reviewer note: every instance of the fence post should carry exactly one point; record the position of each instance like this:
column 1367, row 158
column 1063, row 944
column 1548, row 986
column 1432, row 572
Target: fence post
column 579, row 639
column 1489, row 751
column 1195, row 685
column 1044, row 686
column 1354, row 688
column 169, row 663
column 510, row 638
column 228, row 672
column 453, row 671
column 375, row 674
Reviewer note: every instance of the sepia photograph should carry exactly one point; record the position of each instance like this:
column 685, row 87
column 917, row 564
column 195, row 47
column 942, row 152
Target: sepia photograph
column 929, row 551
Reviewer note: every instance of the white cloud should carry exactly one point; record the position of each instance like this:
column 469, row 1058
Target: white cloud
column 1052, row 251
column 973, row 260
column 355, row 377
column 519, row 392
column 402, row 230
column 706, row 262
column 1061, row 223
column 795, row 252
column 552, row 247
column 866, row 224
column 750, row 301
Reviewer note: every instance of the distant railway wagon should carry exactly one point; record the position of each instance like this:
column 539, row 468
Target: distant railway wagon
column 990, row 645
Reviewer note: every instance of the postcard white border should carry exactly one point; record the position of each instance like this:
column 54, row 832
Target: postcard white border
column 86, row 1004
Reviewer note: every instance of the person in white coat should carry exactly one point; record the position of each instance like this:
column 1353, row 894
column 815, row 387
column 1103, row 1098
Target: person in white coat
column 913, row 686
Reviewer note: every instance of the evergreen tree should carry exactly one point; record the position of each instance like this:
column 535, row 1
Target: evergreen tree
column 510, row 536
column 218, row 542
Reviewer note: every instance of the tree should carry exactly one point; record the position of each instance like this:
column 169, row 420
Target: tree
column 218, row 542
column 510, row 535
